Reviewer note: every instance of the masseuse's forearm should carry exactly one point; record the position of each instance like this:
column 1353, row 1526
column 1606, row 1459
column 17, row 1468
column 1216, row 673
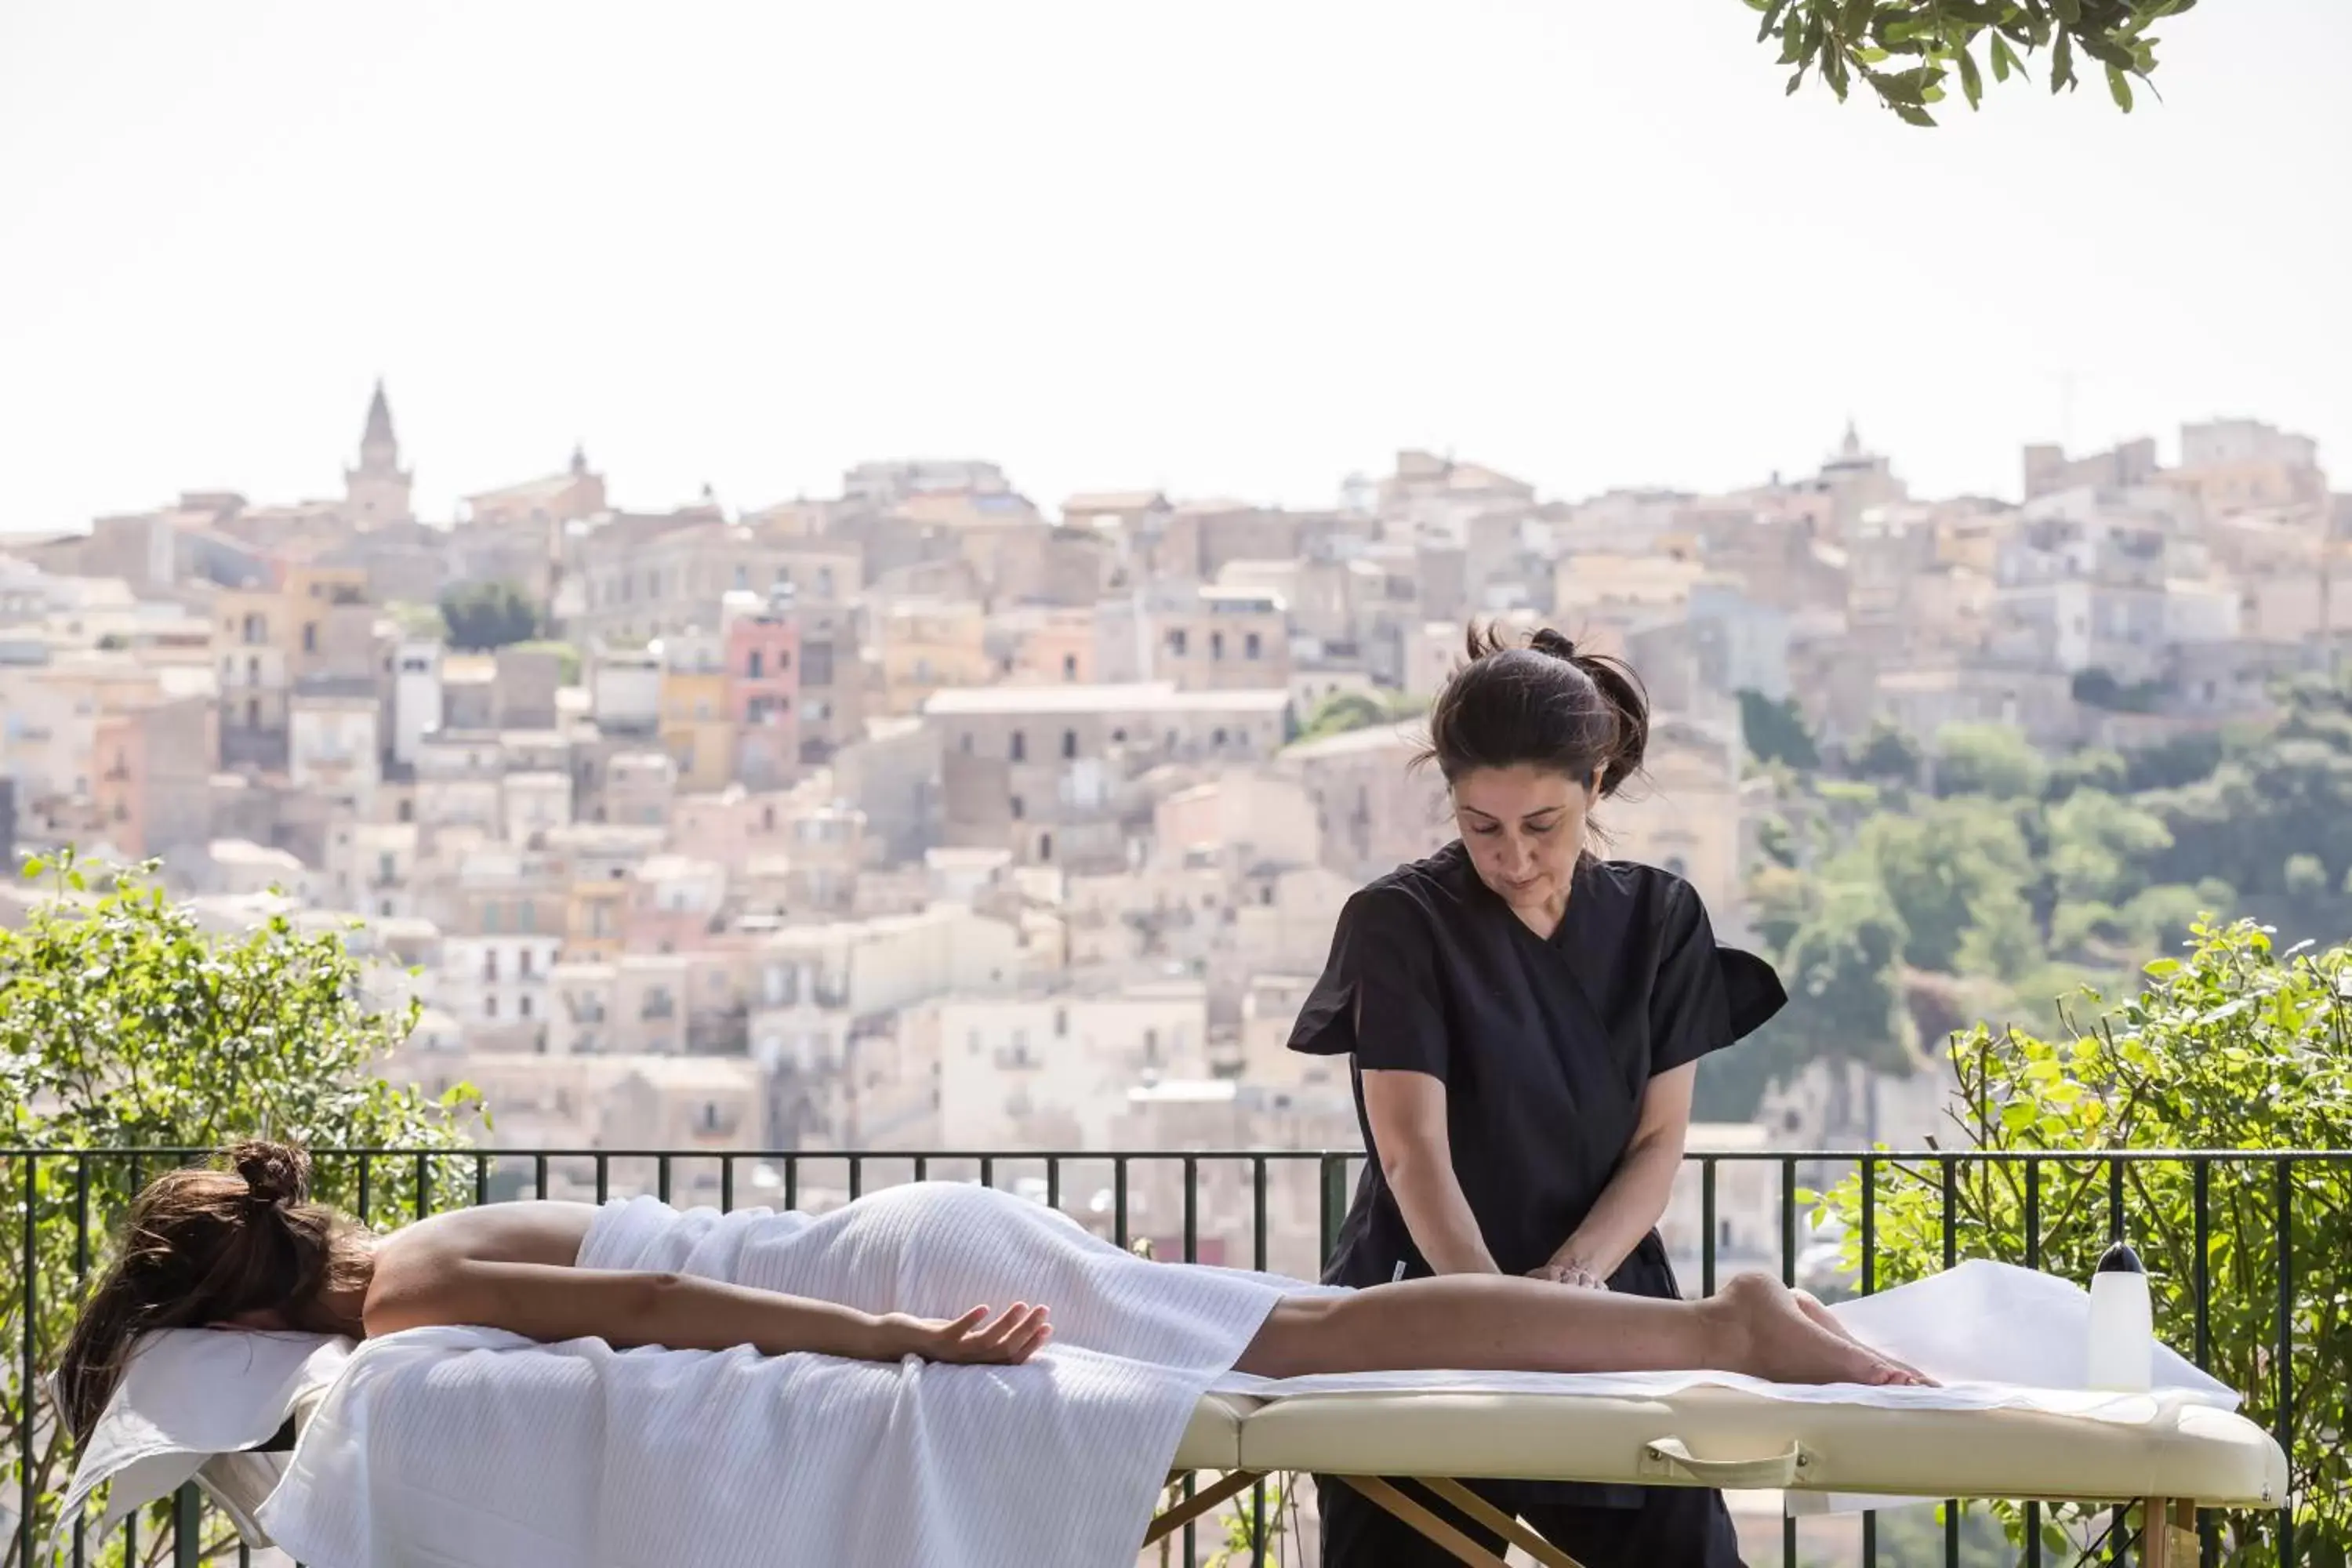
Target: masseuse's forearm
column 1438, row 1215
column 1628, row 1208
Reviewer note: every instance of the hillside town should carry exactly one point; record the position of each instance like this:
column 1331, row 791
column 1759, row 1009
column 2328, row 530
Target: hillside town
column 924, row 816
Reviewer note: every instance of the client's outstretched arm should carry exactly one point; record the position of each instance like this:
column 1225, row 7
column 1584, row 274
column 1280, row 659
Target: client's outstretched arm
column 680, row 1312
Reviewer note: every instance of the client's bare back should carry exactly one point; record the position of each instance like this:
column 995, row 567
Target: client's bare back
column 541, row 1232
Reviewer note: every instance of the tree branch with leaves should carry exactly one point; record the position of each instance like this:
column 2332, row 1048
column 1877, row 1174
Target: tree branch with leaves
column 1906, row 51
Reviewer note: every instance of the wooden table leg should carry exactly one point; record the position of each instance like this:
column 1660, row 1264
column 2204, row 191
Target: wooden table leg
column 1199, row 1504
column 1444, row 1535
column 2156, row 1533
column 1501, row 1524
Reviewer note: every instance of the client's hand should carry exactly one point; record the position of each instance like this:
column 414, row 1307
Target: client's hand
column 971, row 1339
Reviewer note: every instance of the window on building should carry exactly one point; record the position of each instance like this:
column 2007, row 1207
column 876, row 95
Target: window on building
column 1252, row 646
column 1045, row 847
column 816, row 664
column 253, row 713
column 490, row 964
column 1018, row 811
column 522, row 1006
column 1069, row 666
column 1061, row 1021
column 752, row 665
column 489, row 1006
column 522, row 963
column 1176, row 641
column 1216, row 644
column 1218, row 739
column 1069, row 743
column 1018, row 748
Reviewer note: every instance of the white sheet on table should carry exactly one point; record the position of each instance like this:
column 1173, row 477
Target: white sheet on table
column 464, row 1448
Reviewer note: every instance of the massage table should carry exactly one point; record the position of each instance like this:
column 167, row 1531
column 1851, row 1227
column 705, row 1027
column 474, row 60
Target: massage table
column 2189, row 1455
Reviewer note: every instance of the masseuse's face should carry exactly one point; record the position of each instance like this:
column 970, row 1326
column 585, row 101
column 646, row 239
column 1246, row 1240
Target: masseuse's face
column 1524, row 827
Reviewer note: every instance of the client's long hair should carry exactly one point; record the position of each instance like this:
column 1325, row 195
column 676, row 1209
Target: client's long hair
column 199, row 1247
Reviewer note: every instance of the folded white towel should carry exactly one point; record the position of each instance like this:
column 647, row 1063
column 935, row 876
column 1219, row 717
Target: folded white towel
column 464, row 1448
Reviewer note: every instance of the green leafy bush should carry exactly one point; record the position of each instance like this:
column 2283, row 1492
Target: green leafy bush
column 125, row 1026
column 2235, row 1046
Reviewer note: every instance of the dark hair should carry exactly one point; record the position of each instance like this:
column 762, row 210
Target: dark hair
column 1544, row 705
column 199, row 1246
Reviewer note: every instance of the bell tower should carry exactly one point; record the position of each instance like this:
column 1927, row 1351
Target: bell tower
column 377, row 491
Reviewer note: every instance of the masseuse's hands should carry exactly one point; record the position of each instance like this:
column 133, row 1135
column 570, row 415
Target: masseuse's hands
column 971, row 1340
column 1567, row 1271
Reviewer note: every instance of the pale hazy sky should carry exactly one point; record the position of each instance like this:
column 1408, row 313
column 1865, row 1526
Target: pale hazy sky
column 1232, row 248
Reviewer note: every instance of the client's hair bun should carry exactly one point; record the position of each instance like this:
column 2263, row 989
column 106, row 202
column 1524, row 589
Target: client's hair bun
column 1554, row 643
column 275, row 1173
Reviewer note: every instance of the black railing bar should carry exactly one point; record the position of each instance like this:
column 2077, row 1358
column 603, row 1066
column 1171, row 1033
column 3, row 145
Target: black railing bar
column 1700, row 1156
column 2284, row 1175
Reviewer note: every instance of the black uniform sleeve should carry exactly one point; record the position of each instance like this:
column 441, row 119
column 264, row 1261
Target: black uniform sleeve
column 1379, row 996
column 1706, row 995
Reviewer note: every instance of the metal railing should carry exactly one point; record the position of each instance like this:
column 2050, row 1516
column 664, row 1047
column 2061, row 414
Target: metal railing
column 1165, row 1191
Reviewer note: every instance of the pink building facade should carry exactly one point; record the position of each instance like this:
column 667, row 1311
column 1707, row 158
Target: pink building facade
column 764, row 689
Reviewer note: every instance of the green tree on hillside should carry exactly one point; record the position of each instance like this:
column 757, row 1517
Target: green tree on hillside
column 1777, row 731
column 485, row 616
column 1888, row 754
column 124, row 1025
column 1940, row 865
column 1343, row 711
column 1987, row 759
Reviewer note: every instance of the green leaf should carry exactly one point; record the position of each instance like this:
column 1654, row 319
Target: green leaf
column 2119, row 90
column 2070, row 12
column 1855, row 17
column 1971, row 82
column 1772, row 10
column 35, row 866
column 2004, row 59
column 2061, row 64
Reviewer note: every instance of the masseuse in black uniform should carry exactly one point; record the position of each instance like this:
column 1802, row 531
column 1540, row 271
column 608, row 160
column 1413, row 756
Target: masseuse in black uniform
column 1525, row 1019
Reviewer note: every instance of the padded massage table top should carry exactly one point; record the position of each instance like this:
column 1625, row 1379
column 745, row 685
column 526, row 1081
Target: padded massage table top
column 1739, row 1439
column 1701, row 1435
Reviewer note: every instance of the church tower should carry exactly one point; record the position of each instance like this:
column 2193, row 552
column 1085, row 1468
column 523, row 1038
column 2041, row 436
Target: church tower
column 377, row 491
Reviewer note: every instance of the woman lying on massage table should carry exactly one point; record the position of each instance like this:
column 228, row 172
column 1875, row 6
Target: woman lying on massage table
column 245, row 1248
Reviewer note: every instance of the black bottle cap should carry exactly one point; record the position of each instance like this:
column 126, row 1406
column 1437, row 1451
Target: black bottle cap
column 2121, row 1259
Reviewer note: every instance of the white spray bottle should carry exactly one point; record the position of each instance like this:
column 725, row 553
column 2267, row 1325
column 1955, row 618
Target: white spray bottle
column 2123, row 1324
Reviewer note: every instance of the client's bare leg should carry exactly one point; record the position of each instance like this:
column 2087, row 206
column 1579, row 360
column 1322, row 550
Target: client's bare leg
column 1500, row 1322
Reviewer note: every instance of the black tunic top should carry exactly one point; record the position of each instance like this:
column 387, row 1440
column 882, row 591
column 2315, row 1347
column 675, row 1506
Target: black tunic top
column 1545, row 1046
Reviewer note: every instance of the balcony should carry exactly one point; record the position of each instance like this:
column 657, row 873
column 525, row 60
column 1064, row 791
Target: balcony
column 1279, row 1209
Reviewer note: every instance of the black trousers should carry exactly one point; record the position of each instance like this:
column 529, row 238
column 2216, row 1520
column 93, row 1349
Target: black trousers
column 1676, row 1527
